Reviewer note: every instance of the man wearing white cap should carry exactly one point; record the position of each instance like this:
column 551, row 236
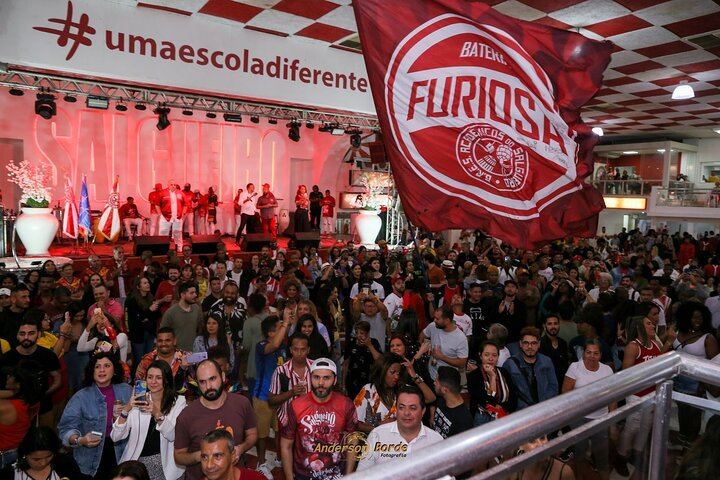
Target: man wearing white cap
column 316, row 426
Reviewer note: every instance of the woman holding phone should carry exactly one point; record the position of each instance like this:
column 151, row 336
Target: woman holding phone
column 86, row 423
column 148, row 423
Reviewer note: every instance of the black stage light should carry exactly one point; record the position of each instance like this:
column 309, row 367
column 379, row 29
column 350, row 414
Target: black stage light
column 210, row 115
column 70, row 99
column 163, row 121
column 140, row 106
column 255, row 119
column 187, row 113
column 16, row 92
column 232, row 117
column 272, row 121
column 355, row 140
column 294, row 132
column 45, row 105
column 309, row 125
column 121, row 107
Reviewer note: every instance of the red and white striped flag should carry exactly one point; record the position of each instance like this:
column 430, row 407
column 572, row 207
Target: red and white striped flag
column 70, row 213
column 109, row 225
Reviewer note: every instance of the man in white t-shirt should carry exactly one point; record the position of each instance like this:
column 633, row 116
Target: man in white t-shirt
column 394, row 301
column 448, row 344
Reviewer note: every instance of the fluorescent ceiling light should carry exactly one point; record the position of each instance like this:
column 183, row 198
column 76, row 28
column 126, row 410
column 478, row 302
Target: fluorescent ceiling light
column 598, row 131
column 717, row 130
column 97, row 102
column 683, row 91
column 630, row 152
column 661, row 150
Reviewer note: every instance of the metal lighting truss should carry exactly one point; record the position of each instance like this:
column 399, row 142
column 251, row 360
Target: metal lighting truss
column 184, row 101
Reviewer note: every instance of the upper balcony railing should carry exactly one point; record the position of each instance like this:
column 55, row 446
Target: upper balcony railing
column 626, row 187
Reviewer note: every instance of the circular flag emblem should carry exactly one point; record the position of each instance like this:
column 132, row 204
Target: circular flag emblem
column 475, row 117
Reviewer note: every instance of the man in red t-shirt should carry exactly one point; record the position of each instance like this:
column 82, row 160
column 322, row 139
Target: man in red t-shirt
column 154, row 199
column 165, row 293
column 316, row 427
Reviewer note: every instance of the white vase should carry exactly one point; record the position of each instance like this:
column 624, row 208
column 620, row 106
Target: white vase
column 368, row 225
column 36, row 228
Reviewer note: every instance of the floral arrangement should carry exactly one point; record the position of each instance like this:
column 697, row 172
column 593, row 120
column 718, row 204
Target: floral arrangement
column 33, row 180
column 375, row 185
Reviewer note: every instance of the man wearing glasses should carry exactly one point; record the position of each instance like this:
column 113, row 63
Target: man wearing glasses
column 532, row 373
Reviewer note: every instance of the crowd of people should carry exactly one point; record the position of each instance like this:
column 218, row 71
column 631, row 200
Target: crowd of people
column 183, row 212
column 325, row 356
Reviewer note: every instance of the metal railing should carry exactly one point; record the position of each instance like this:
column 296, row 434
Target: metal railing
column 626, row 187
column 469, row 449
column 688, row 197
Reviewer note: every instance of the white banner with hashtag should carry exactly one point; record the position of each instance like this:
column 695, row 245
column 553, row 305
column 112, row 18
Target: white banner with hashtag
column 111, row 41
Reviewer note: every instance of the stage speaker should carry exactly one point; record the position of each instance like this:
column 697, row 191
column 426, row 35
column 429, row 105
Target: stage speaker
column 306, row 238
column 157, row 244
column 255, row 241
column 204, row 243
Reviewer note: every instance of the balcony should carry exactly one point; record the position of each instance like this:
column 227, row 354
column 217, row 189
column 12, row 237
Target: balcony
column 626, row 187
column 687, row 203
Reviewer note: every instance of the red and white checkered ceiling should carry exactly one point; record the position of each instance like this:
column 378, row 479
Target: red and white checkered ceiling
column 658, row 44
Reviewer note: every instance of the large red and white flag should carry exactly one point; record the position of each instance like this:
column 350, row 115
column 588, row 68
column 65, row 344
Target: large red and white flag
column 480, row 116
column 70, row 212
column 109, row 224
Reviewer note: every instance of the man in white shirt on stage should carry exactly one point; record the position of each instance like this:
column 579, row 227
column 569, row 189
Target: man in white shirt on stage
column 248, row 206
column 171, row 209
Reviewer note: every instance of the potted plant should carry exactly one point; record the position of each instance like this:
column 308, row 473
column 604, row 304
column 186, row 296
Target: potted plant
column 37, row 225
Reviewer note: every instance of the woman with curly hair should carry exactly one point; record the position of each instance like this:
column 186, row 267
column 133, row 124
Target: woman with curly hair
column 376, row 402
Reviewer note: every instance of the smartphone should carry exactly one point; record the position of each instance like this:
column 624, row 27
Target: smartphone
column 196, row 357
column 96, row 434
column 366, row 289
column 140, row 390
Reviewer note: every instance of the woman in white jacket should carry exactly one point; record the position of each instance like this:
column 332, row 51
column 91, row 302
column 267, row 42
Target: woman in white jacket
column 148, row 422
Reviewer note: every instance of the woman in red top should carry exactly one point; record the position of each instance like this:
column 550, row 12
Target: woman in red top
column 641, row 347
column 17, row 412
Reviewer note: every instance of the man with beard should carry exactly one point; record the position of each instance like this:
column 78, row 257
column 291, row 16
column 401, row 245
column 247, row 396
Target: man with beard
column 213, row 295
column 167, row 351
column 184, row 317
column 232, row 309
column 555, row 347
column 477, row 308
column 12, row 315
column 509, row 311
column 28, row 349
column 394, row 301
column 215, row 409
column 166, row 290
column 531, row 372
column 317, row 424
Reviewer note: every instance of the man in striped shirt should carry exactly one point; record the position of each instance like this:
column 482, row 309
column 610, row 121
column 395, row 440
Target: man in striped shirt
column 291, row 379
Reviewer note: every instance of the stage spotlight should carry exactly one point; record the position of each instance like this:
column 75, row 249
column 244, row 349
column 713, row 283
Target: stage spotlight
column 232, row 117
column 101, row 103
column 70, row 99
column 16, row 92
column 121, row 107
column 255, row 119
column 355, row 140
column 294, row 132
column 187, row 113
column 163, row 121
column 272, row 121
column 211, row 115
column 140, row 106
column 309, row 125
column 45, row 105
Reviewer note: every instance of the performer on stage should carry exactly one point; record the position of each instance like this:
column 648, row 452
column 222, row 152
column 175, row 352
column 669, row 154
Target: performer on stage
column 328, row 213
column 301, row 212
column 267, row 205
column 200, row 207
column 212, row 203
column 154, row 199
column 171, row 208
column 130, row 216
column 189, row 215
column 248, row 206
column 316, row 197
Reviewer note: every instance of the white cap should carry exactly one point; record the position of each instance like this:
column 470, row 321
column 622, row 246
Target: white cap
column 5, row 291
column 323, row 364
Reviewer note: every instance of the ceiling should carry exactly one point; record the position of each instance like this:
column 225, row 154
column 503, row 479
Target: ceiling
column 658, row 43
